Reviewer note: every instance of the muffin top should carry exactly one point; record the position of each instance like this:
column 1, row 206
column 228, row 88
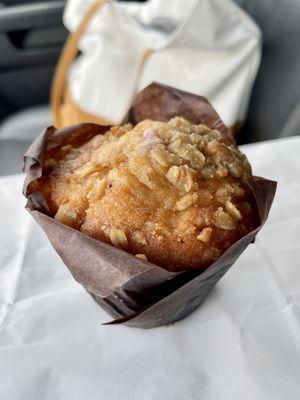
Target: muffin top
column 173, row 193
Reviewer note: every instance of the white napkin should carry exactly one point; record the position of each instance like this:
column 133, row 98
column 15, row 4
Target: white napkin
column 242, row 343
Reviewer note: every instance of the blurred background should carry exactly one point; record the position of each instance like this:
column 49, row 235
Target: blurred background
column 32, row 36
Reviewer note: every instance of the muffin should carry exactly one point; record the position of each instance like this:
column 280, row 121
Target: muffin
column 173, row 193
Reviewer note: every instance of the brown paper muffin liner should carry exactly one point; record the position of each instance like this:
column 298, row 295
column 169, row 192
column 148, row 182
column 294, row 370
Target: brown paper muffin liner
column 136, row 293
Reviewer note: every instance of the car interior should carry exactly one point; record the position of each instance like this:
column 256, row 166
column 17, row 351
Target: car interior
column 31, row 38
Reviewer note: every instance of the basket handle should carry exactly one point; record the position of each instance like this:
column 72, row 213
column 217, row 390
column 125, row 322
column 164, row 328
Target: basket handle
column 67, row 56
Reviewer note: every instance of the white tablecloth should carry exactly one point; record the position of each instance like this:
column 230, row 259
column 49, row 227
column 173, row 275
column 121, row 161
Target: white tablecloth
column 242, row 343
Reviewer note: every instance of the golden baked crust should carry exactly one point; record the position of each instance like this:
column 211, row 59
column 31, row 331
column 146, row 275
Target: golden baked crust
column 173, row 193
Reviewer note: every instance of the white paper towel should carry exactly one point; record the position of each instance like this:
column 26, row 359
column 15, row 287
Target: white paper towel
column 242, row 343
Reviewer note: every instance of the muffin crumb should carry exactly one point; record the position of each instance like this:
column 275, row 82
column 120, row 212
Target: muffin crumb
column 97, row 191
column 118, row 238
column 186, row 201
column 205, row 235
column 141, row 256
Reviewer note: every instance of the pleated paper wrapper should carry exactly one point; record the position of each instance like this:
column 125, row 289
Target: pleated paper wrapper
column 135, row 292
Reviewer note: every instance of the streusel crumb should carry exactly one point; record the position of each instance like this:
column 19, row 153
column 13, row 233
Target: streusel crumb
column 171, row 193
